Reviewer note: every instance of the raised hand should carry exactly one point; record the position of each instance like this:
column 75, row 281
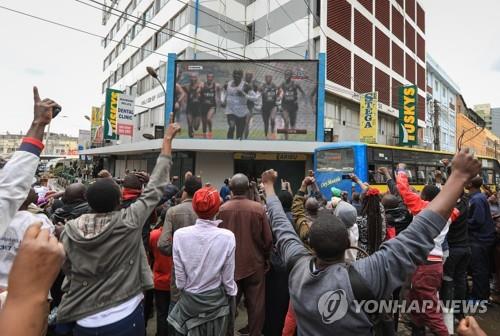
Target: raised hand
column 469, row 327
column 465, row 165
column 384, row 171
column 43, row 109
column 172, row 130
column 308, row 180
column 269, row 177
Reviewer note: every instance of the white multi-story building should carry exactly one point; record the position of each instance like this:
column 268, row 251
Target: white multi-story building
column 441, row 115
column 369, row 45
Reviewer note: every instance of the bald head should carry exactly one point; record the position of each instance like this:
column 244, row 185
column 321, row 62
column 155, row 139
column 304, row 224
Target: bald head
column 312, row 206
column 239, row 184
column 74, row 193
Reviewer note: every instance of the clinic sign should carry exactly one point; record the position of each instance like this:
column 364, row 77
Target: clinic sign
column 125, row 117
column 408, row 121
column 111, row 114
column 368, row 115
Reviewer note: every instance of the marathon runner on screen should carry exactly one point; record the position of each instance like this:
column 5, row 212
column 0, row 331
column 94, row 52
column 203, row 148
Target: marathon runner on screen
column 250, row 84
column 210, row 94
column 235, row 102
column 193, row 106
column 289, row 101
column 270, row 93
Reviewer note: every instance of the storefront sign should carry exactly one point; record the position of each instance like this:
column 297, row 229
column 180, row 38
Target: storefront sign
column 111, row 112
column 126, row 115
column 408, row 121
column 368, row 115
column 96, row 129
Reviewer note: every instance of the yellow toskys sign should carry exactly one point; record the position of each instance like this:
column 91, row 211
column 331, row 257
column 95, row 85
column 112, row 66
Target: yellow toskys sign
column 408, row 118
column 368, row 117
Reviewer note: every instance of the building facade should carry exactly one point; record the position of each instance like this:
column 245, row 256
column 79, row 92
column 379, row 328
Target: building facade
column 440, row 132
column 472, row 133
column 369, row 45
column 495, row 121
column 484, row 110
column 55, row 145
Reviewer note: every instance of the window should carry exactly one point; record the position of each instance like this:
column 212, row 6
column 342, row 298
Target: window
column 137, row 29
column 118, row 24
column 111, row 33
column 136, row 59
column 161, row 36
column 181, row 55
column 133, row 89
column 179, row 21
column 162, row 72
column 147, row 48
column 317, row 12
column 159, row 4
column 436, row 86
column 126, row 67
column 317, row 47
column 251, row 33
column 157, row 115
column 118, row 73
column 128, row 37
column 111, row 56
column 105, row 63
column 104, row 85
column 145, row 85
column 336, row 160
column 148, row 14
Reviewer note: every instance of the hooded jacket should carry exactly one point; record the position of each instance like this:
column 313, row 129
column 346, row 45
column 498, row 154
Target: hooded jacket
column 106, row 263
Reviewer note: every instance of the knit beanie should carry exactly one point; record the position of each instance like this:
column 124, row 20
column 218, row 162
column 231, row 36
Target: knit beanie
column 346, row 213
column 206, row 202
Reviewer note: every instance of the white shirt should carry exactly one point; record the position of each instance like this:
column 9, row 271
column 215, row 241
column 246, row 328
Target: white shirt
column 11, row 239
column 204, row 258
column 111, row 315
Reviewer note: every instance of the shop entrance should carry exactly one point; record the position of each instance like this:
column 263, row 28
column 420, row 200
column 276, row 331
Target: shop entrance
column 290, row 167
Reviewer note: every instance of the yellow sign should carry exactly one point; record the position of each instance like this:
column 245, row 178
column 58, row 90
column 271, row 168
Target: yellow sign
column 96, row 130
column 368, row 117
column 408, row 120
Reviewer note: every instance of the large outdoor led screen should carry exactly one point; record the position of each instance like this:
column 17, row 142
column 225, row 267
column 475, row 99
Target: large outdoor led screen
column 256, row 100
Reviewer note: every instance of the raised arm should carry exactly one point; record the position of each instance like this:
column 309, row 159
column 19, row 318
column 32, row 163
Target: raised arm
column 17, row 175
column 412, row 201
column 356, row 179
column 388, row 268
column 289, row 245
column 139, row 211
column 391, row 184
column 300, row 220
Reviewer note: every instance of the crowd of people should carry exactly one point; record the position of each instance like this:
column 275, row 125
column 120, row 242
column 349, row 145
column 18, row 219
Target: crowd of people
column 99, row 259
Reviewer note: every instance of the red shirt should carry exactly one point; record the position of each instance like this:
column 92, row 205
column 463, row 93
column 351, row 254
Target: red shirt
column 162, row 266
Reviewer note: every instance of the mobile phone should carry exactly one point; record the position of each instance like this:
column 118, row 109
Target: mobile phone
column 311, row 173
column 56, row 110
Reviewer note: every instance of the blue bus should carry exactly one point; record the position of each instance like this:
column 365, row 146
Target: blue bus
column 334, row 162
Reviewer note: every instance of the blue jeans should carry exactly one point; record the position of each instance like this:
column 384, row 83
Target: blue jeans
column 132, row 325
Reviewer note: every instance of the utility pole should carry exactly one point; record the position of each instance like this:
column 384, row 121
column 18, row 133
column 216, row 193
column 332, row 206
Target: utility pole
column 437, row 129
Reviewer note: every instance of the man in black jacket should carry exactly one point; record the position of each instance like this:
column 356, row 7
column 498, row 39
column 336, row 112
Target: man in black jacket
column 74, row 202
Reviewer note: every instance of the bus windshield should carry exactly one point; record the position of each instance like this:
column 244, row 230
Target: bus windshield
column 335, row 160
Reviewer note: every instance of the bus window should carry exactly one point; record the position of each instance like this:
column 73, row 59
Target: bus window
column 335, row 160
column 488, row 176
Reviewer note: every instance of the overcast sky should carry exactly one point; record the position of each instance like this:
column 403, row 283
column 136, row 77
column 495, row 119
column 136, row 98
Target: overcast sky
column 462, row 36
